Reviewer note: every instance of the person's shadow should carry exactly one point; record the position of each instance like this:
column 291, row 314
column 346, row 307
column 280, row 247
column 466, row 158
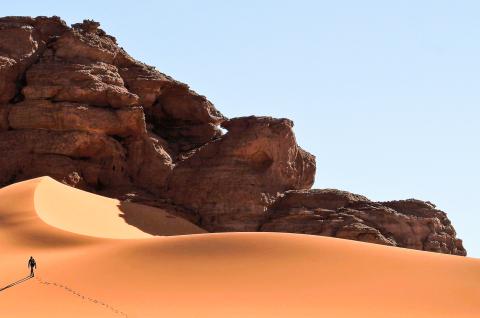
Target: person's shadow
column 17, row 282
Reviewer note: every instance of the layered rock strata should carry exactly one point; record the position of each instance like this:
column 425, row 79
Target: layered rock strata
column 75, row 106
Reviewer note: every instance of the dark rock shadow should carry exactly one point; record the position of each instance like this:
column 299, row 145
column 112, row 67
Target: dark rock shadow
column 156, row 220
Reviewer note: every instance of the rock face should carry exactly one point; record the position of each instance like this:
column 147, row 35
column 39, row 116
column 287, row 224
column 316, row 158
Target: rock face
column 75, row 106
column 22, row 41
column 74, row 101
column 65, row 116
column 249, row 165
column 406, row 223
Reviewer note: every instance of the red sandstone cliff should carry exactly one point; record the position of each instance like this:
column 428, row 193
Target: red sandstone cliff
column 77, row 107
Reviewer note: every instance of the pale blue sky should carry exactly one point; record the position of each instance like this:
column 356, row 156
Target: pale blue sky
column 384, row 93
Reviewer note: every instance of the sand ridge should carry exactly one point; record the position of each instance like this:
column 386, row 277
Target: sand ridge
column 211, row 275
column 86, row 213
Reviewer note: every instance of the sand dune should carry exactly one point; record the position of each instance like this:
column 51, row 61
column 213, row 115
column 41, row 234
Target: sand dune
column 93, row 263
column 86, row 213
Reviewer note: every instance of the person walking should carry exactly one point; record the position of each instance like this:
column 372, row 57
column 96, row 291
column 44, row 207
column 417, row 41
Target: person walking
column 32, row 264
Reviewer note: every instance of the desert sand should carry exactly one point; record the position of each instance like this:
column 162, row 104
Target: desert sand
column 98, row 259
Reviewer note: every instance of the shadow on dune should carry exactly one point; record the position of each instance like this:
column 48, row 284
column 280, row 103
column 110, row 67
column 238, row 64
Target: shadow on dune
column 140, row 217
column 155, row 220
column 17, row 282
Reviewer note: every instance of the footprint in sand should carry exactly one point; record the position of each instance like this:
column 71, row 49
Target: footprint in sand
column 95, row 301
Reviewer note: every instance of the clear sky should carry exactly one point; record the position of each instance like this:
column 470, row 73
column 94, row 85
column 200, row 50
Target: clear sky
column 385, row 94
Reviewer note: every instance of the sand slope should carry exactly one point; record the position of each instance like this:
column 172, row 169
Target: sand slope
column 91, row 263
column 90, row 214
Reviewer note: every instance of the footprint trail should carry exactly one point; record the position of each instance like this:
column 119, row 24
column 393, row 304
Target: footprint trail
column 92, row 300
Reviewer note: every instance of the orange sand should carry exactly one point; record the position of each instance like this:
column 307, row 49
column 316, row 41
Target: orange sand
column 93, row 263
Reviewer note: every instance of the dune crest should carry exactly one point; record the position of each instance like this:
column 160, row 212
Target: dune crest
column 80, row 212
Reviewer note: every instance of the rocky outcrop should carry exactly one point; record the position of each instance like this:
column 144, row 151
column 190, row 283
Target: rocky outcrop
column 22, row 41
column 96, row 158
column 407, row 223
column 231, row 181
column 73, row 100
column 432, row 224
column 75, row 106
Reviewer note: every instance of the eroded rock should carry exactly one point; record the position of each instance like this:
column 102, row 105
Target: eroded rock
column 97, row 84
column 22, row 41
column 68, row 100
column 407, row 223
column 232, row 180
column 65, row 116
column 100, row 159
column 75, row 106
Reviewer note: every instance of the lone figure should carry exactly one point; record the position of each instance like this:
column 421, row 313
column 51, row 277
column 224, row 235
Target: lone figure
column 32, row 264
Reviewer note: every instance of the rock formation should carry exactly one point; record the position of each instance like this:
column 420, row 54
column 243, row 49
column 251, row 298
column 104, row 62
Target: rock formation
column 406, row 223
column 75, row 106
column 231, row 181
